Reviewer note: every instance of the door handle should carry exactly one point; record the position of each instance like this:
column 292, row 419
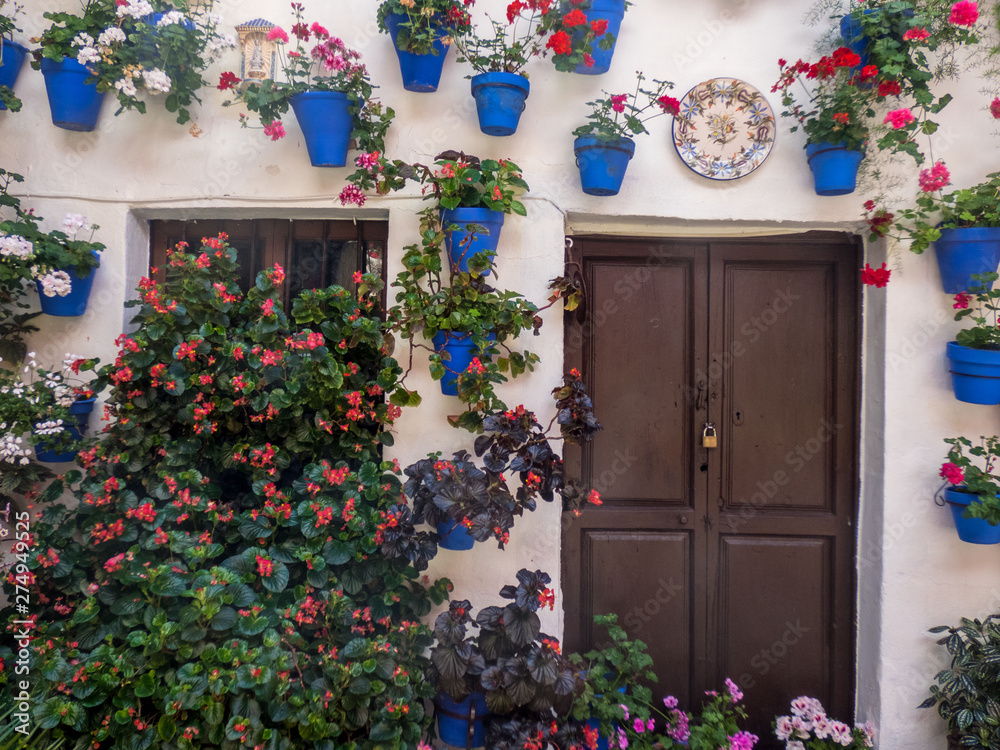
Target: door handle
column 699, row 401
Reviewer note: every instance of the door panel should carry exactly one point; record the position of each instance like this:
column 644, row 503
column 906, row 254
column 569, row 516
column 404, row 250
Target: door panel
column 735, row 561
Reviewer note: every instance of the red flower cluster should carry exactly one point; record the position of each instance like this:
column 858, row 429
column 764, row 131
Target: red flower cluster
column 877, row 277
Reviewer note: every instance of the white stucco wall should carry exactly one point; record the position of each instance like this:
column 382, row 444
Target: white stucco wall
column 913, row 570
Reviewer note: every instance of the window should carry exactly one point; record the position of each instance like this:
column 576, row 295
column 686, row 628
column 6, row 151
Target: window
column 314, row 254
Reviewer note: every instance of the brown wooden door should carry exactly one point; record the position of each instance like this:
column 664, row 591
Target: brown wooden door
column 736, row 561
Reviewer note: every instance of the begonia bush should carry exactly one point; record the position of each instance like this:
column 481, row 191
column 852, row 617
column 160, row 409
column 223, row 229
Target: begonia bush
column 237, row 570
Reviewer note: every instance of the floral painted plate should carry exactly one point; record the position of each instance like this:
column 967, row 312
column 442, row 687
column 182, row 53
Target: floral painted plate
column 725, row 129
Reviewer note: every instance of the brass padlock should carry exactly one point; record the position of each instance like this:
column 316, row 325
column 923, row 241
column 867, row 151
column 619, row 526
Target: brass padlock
column 709, row 438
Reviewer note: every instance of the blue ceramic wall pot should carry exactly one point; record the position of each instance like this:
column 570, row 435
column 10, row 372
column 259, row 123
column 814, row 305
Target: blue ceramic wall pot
column 834, row 167
column 454, row 536
column 12, row 57
column 462, row 350
column 326, row 123
column 975, row 374
column 421, row 73
column 966, row 251
column 454, row 719
column 461, row 243
column 972, row 530
column 612, row 11
column 74, row 104
column 73, row 304
column 602, row 163
column 76, row 427
column 500, row 100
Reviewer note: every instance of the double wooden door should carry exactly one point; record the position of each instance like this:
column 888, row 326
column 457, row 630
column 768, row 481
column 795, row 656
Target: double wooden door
column 737, row 560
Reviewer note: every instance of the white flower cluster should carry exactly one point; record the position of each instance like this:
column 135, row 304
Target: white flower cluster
column 156, row 81
column 111, row 35
column 51, row 427
column 809, row 721
column 56, row 283
column 13, row 449
column 217, row 45
column 15, row 246
column 88, row 55
column 126, row 86
column 73, row 223
column 135, row 8
column 169, row 19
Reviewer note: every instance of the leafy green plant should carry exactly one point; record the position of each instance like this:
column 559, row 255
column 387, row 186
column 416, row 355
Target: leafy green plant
column 470, row 182
column 9, row 12
column 425, row 22
column 972, row 467
column 574, row 36
column 623, row 115
column 426, row 304
column 237, row 568
column 15, row 278
column 985, row 334
column 967, row 693
column 129, row 50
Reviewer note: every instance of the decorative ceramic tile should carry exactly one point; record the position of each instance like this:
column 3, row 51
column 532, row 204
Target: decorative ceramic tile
column 725, row 129
column 260, row 54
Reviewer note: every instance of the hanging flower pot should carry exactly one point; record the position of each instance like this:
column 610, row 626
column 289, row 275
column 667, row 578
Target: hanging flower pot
column 972, row 530
column 455, row 718
column 326, row 123
column 834, row 168
column 484, row 238
column 12, row 57
column 966, row 251
column 421, row 73
column 454, row 536
column 975, row 374
column 74, row 105
column 612, row 11
column 461, row 349
column 500, row 100
column 602, row 163
column 74, row 302
column 852, row 31
column 76, row 427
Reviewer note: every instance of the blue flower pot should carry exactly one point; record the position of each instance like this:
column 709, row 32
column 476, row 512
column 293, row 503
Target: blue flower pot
column 154, row 18
column 12, row 57
column 975, row 374
column 612, row 11
column 421, row 73
column 453, row 719
column 74, row 105
column 602, row 741
column 484, row 239
column 852, row 31
column 73, row 304
column 834, row 168
column 966, row 251
column 77, row 426
column 462, row 350
column 326, row 123
column 454, row 536
column 972, row 530
column 500, row 100
column 602, row 163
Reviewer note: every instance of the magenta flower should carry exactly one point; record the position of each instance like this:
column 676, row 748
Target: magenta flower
column 995, row 108
column 916, row 35
column 962, row 301
column 276, row 130
column 639, row 726
column 899, row 118
column 935, row 178
column 618, row 102
column 734, row 691
column 964, row 13
column 951, row 472
column 277, row 34
column 352, row 194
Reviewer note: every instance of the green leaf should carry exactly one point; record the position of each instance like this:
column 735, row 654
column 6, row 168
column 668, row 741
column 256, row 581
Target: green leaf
column 166, row 727
column 278, row 580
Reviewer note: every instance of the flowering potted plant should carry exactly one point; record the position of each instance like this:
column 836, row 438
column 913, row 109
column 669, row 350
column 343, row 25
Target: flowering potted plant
column 964, row 226
column 44, row 416
column 15, row 276
column 62, row 265
column 969, row 688
column 604, row 146
column 908, row 38
column 974, row 355
column 835, row 122
column 12, row 55
column 809, row 726
column 515, row 675
column 974, row 491
column 328, row 88
column 127, row 47
column 584, row 33
column 422, row 31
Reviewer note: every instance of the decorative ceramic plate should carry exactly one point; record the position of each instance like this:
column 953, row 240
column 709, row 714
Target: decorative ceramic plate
column 725, row 129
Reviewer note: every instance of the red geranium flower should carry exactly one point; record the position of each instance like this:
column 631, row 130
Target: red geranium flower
column 575, row 17
column 889, row 88
column 560, row 43
column 877, row 277
column 227, row 80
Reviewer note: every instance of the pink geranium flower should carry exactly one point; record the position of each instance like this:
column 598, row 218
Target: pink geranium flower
column 277, row 34
column 952, row 473
column 276, row 130
column 964, row 13
column 916, row 35
column 618, row 102
column 995, row 108
column 899, row 118
column 935, row 178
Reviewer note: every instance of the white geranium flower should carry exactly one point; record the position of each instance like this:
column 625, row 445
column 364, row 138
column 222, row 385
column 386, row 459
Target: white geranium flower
column 83, row 39
column 126, row 86
column 88, row 55
column 156, row 81
column 56, row 283
column 15, row 246
column 73, row 223
column 169, row 19
column 135, row 9
column 111, row 35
